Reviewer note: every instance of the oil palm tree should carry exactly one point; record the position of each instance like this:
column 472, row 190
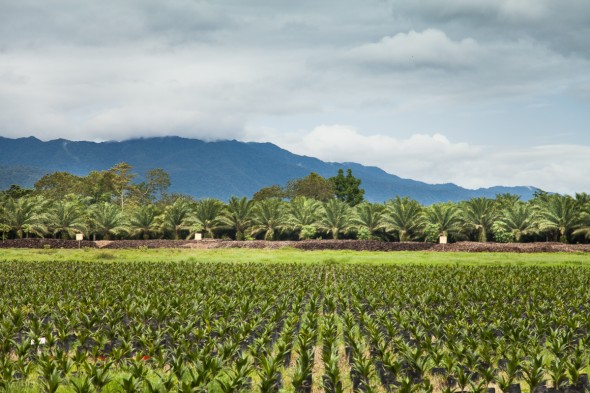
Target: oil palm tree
column 238, row 215
column 66, row 218
column 583, row 200
column 108, row 219
column 144, row 221
column 403, row 216
column 303, row 213
column 519, row 219
column 25, row 216
column 207, row 216
column 480, row 214
column 176, row 217
column 269, row 218
column 584, row 229
column 561, row 213
column 445, row 217
column 368, row 216
column 336, row 218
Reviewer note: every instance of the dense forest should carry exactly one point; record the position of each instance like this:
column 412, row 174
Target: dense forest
column 112, row 204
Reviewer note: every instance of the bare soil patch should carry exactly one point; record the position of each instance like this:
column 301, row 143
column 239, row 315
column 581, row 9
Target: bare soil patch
column 309, row 245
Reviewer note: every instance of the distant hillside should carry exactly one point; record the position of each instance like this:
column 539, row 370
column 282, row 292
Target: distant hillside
column 212, row 169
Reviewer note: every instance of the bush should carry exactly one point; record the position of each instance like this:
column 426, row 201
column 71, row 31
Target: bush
column 307, row 232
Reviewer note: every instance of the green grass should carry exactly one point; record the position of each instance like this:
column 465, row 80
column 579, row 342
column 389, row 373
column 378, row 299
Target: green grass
column 294, row 255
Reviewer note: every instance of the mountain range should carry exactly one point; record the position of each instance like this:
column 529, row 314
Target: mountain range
column 213, row 169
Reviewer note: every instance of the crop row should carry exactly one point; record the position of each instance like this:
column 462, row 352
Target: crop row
column 186, row 327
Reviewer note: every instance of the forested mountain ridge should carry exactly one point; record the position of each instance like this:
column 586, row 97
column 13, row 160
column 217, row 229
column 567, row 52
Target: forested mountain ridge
column 213, row 169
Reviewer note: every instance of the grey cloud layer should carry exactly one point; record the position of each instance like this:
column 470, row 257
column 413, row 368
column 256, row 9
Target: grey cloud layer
column 116, row 69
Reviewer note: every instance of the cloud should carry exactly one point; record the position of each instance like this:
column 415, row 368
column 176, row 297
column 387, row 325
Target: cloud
column 412, row 50
column 37, row 24
column 429, row 67
column 414, row 77
column 562, row 26
column 436, row 159
column 118, row 93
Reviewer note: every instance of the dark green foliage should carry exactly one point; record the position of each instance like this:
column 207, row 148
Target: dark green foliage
column 311, row 186
column 270, row 192
column 347, row 188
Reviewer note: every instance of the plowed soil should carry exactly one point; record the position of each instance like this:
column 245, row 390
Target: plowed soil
column 356, row 245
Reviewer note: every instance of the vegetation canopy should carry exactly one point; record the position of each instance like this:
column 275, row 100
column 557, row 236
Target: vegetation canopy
column 110, row 205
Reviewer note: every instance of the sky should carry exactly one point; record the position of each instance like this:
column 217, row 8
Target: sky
column 474, row 92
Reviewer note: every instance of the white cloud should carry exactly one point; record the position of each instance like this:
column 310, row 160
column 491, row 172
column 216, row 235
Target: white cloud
column 436, row 159
column 429, row 48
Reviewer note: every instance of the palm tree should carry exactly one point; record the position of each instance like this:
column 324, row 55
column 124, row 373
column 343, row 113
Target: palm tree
column 67, row 218
column 144, row 221
column 238, row 215
column 506, row 200
column 584, row 228
column 336, row 218
column 4, row 229
column 561, row 213
column 480, row 214
column 404, row 216
column 303, row 215
column 370, row 217
column 208, row 216
column 445, row 217
column 268, row 218
column 25, row 216
column 583, row 200
column 108, row 219
column 519, row 219
column 176, row 217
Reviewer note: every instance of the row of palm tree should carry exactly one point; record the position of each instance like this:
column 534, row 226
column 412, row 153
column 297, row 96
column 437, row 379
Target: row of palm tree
column 506, row 218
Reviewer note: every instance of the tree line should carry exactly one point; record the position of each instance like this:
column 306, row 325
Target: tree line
column 113, row 204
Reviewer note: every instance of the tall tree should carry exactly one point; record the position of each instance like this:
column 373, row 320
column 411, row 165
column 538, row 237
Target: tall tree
column 336, row 218
column 404, row 217
column 311, row 186
column 98, row 186
column 268, row 218
column 121, row 180
column 15, row 191
column 59, row 184
column 347, row 188
column 270, row 192
column 238, row 215
column 480, row 214
column 153, row 188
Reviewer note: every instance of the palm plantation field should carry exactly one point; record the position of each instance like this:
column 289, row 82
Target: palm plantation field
column 288, row 320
